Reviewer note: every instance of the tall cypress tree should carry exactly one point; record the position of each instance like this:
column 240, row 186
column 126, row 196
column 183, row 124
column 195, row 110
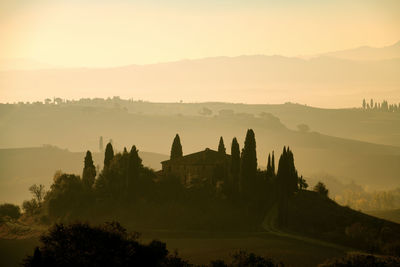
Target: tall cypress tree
column 108, row 155
column 235, row 166
column 273, row 163
column 248, row 162
column 287, row 173
column 270, row 172
column 89, row 171
column 134, row 166
column 176, row 149
column 221, row 146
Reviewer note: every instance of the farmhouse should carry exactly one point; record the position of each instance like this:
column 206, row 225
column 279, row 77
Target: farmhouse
column 204, row 166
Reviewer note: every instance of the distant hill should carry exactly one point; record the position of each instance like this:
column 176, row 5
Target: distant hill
column 368, row 53
column 79, row 128
column 321, row 81
column 22, row 167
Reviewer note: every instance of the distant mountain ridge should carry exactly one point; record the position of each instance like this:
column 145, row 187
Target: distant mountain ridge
column 367, row 53
column 322, row 81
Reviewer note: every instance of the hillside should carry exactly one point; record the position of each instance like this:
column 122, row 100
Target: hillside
column 366, row 163
column 318, row 229
column 40, row 164
column 322, row 218
column 390, row 215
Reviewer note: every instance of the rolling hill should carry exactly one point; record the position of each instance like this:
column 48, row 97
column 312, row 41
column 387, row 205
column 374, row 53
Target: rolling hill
column 79, row 128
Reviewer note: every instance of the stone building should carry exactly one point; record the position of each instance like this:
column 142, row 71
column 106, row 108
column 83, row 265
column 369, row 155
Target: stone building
column 204, row 166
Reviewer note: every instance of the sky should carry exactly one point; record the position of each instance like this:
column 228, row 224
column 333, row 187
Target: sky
column 89, row 33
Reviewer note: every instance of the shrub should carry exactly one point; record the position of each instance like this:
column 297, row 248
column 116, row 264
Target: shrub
column 10, row 210
column 321, row 189
column 80, row 244
column 365, row 260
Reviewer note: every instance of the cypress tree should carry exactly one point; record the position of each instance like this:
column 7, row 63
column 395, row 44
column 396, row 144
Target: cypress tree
column 134, row 166
column 235, row 166
column 273, row 163
column 89, row 170
column 108, row 155
column 135, row 162
column 176, row 149
column 270, row 172
column 221, row 146
column 287, row 173
column 249, row 162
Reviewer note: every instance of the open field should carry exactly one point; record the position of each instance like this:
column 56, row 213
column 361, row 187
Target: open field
column 201, row 247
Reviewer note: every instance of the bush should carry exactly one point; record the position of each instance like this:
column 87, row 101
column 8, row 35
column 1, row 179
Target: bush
column 10, row 210
column 365, row 260
column 321, row 189
column 242, row 258
column 110, row 244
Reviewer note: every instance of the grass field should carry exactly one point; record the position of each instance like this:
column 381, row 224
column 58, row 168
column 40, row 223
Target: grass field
column 201, row 247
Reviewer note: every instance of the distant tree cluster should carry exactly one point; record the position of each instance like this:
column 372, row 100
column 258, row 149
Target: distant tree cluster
column 383, row 106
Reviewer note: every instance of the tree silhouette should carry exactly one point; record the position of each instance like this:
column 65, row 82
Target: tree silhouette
column 235, row 166
column 302, row 183
column 273, row 162
column 109, row 155
column 9, row 210
column 110, row 244
column 134, row 167
column 248, row 162
column 89, row 171
column 321, row 189
column 270, row 173
column 38, row 192
column 287, row 173
column 176, row 149
column 221, row 146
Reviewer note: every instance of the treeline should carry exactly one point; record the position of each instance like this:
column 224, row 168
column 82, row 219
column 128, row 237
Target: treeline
column 383, row 106
column 134, row 194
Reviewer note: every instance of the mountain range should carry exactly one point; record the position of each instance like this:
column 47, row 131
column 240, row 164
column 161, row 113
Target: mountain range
column 330, row 80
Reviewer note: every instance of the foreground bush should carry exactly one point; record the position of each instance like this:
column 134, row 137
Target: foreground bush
column 365, row 260
column 242, row 258
column 110, row 244
column 10, row 210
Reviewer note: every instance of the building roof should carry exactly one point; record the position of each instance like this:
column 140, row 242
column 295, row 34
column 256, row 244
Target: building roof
column 205, row 157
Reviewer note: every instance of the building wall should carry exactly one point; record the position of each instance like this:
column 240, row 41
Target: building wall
column 188, row 173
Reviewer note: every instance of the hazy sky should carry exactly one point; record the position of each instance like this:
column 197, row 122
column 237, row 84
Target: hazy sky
column 110, row 33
